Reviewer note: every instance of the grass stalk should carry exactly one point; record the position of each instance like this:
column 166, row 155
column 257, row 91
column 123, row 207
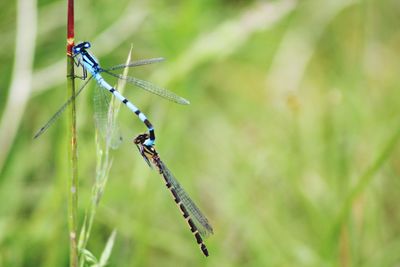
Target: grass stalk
column 72, row 147
column 363, row 181
column 103, row 166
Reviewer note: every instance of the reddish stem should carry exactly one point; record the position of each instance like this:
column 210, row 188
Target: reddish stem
column 73, row 155
column 70, row 27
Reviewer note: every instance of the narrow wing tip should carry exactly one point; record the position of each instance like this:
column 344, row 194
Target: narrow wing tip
column 184, row 101
column 39, row 133
column 211, row 230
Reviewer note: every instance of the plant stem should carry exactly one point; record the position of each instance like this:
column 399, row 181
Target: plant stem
column 72, row 150
column 362, row 183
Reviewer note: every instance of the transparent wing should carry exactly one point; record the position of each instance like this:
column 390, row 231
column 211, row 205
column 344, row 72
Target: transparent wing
column 146, row 159
column 136, row 63
column 105, row 119
column 60, row 110
column 151, row 88
column 201, row 222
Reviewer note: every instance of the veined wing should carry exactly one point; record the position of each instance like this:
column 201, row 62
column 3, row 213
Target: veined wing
column 136, row 63
column 151, row 88
column 201, row 222
column 105, row 119
column 198, row 223
column 60, row 110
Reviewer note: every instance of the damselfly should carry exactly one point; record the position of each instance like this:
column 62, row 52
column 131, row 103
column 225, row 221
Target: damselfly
column 91, row 64
column 198, row 223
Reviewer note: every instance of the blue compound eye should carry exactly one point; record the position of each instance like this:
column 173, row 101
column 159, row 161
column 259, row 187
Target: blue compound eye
column 86, row 44
column 81, row 46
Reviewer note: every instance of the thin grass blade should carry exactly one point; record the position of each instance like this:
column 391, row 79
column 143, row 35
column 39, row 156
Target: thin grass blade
column 105, row 255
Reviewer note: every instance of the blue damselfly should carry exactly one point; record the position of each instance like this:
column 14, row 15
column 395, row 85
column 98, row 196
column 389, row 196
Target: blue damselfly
column 91, row 64
column 198, row 223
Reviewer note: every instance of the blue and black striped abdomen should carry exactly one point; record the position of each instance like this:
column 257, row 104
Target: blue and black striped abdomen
column 130, row 105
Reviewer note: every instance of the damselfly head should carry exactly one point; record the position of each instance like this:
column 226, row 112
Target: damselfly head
column 81, row 46
column 141, row 138
column 147, row 152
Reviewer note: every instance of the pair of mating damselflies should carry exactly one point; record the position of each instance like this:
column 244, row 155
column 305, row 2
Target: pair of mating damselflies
column 198, row 223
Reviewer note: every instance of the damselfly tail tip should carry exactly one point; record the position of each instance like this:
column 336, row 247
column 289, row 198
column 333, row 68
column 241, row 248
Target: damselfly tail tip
column 204, row 249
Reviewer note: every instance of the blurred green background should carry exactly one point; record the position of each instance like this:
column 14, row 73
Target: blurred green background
column 289, row 145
